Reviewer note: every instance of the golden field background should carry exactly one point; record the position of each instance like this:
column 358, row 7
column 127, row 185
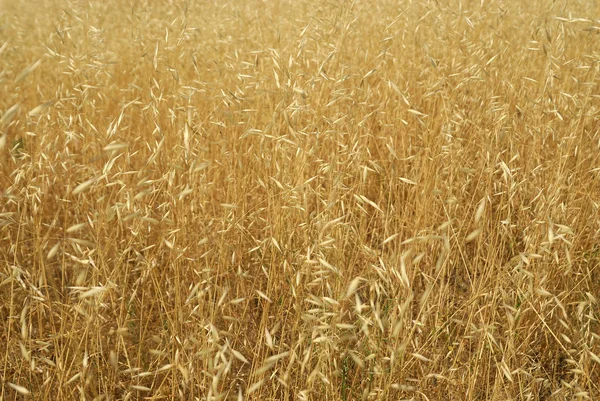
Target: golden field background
column 299, row 200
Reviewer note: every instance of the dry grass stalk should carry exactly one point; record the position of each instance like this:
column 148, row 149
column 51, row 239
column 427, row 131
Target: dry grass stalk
column 313, row 201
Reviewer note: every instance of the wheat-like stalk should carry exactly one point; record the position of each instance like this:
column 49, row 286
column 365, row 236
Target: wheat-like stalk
column 348, row 200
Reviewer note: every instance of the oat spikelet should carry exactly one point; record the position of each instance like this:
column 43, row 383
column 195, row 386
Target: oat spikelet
column 83, row 186
column 473, row 235
column 480, row 210
column 53, row 251
column 19, row 389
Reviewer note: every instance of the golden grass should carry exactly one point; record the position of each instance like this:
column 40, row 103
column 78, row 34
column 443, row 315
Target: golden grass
column 300, row 200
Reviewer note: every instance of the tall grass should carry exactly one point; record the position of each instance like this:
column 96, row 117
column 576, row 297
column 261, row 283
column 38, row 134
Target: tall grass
column 299, row 200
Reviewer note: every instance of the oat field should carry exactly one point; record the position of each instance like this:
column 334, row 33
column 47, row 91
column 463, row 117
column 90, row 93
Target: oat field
column 300, row 200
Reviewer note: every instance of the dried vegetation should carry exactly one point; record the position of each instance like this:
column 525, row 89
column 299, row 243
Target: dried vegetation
column 300, row 200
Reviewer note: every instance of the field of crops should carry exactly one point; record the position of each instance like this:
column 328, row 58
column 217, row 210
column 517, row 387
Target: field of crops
column 300, row 200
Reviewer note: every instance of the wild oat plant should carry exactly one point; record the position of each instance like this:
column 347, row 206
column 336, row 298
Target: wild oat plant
column 299, row 200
